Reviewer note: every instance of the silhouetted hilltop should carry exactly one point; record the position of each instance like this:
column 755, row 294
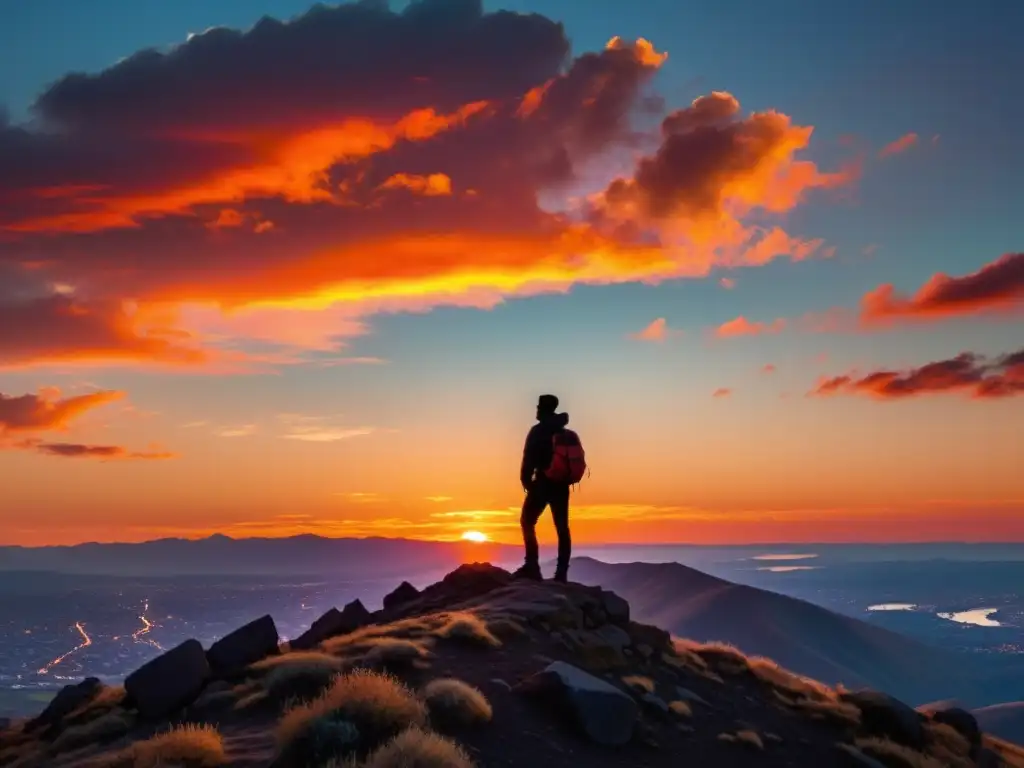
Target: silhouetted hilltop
column 479, row 669
column 802, row 636
column 223, row 555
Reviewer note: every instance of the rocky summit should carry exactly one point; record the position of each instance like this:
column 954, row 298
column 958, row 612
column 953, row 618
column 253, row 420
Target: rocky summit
column 482, row 670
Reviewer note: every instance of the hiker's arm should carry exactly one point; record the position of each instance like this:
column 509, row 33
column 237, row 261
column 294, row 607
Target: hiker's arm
column 529, row 460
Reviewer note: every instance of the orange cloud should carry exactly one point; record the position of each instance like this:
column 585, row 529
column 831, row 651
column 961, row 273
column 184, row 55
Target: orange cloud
column 657, row 330
column 740, row 326
column 430, row 185
column 967, row 373
column 102, row 452
column 902, row 144
column 46, row 411
column 768, row 368
column 996, row 287
column 722, row 392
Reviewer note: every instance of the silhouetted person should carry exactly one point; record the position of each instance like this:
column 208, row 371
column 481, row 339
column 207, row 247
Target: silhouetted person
column 552, row 461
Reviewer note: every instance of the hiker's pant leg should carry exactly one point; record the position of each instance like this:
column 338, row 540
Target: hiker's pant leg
column 533, row 508
column 559, row 498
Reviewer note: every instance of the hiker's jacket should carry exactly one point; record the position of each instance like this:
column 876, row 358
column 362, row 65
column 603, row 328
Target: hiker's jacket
column 537, row 451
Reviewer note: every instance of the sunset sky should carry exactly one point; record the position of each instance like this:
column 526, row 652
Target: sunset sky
column 309, row 273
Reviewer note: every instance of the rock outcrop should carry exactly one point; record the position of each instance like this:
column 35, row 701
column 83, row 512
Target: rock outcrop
column 170, row 681
column 246, row 645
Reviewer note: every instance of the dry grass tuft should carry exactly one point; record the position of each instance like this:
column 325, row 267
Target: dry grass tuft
column 108, row 697
column 195, row 746
column 722, row 656
column 771, row 673
column 896, row 755
column 639, row 683
column 295, row 658
column 377, row 705
column 106, row 727
column 468, row 628
column 506, row 627
column 683, row 657
column 750, row 737
column 251, row 701
column 453, row 704
column 680, row 708
column 837, row 711
column 415, row 748
column 1012, row 754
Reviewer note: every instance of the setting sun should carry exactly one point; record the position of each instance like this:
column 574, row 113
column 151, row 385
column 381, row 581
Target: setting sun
column 476, row 536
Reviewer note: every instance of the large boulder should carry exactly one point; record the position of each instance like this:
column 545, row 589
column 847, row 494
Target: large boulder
column 331, row 624
column 963, row 722
column 474, row 579
column 70, row 698
column 616, row 608
column 404, row 593
column 888, row 717
column 602, row 712
column 246, row 645
column 168, row 682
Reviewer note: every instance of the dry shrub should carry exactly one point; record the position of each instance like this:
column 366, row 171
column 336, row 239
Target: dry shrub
column 722, row 656
column 453, row 703
column 302, row 678
column 639, row 683
column 377, row 705
column 947, row 745
column 387, row 652
column 468, row 628
column 107, row 727
column 683, row 657
column 197, row 746
column 108, row 697
column 840, row 712
column 680, row 708
column 895, row 755
column 415, row 748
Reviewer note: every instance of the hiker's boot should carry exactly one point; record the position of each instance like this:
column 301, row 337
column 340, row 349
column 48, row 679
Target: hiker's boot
column 529, row 572
column 561, row 576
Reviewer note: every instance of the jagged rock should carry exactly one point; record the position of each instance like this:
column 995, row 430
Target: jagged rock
column 963, row 722
column 614, row 636
column 331, row 624
column 687, row 695
column 653, row 637
column 474, row 579
column 886, row 716
column 246, row 645
column 168, row 682
column 70, row 698
column 602, row 712
column 404, row 593
column 616, row 608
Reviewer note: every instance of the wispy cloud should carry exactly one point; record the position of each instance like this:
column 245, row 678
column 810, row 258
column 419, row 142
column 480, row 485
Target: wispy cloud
column 194, row 424
column 438, row 499
column 768, row 368
column 728, row 283
column 243, row 430
column 722, row 392
column 902, row 144
column 319, row 429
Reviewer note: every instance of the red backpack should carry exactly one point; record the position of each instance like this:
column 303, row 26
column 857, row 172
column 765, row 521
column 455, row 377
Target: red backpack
column 567, row 458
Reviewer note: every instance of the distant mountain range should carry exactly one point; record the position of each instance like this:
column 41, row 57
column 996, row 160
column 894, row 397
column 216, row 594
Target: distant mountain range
column 378, row 558
column 804, row 637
